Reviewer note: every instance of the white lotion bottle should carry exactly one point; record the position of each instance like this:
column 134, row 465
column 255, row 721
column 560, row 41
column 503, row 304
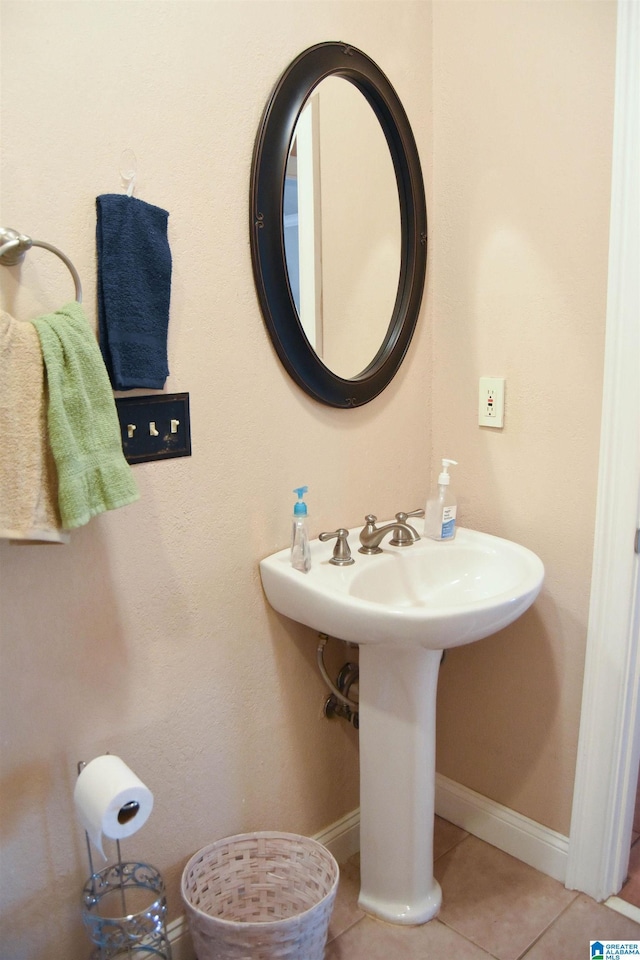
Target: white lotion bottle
column 300, row 548
column 440, row 512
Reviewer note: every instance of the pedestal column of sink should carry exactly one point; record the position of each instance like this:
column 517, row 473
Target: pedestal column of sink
column 397, row 694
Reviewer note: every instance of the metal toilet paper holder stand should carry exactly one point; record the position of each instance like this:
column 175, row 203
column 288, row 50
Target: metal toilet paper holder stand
column 124, row 905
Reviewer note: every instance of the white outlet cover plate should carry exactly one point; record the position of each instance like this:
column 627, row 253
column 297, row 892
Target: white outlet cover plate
column 491, row 402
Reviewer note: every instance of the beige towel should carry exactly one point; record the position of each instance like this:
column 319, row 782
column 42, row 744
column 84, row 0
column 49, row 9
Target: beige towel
column 28, row 479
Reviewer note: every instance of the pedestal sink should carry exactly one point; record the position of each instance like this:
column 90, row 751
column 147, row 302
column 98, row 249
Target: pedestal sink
column 403, row 607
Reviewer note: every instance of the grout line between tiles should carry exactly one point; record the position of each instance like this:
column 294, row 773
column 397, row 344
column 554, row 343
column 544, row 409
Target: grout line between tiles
column 456, row 843
column 474, row 943
column 346, row 929
column 548, row 927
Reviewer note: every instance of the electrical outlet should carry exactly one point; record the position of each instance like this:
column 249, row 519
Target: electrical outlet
column 491, row 402
column 155, row 427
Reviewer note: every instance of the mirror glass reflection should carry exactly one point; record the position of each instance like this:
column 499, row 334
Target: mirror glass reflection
column 342, row 230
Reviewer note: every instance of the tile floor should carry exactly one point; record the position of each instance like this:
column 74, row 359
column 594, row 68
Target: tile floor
column 493, row 908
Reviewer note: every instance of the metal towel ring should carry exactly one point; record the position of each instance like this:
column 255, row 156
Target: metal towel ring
column 14, row 245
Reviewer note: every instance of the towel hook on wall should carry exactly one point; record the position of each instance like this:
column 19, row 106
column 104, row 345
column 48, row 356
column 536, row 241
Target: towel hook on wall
column 14, row 245
column 128, row 169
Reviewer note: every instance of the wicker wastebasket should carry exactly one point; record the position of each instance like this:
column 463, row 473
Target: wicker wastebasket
column 260, row 896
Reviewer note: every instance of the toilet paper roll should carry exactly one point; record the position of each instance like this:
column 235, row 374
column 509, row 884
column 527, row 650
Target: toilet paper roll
column 111, row 800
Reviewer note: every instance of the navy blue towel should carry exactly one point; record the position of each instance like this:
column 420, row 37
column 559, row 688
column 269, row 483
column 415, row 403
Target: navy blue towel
column 134, row 288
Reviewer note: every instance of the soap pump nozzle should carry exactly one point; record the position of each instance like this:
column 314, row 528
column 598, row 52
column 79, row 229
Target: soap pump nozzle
column 300, row 508
column 444, row 477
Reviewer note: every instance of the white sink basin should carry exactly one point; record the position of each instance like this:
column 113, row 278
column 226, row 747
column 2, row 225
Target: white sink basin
column 403, row 607
column 435, row 594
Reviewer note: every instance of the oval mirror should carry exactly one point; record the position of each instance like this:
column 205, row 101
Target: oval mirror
column 341, row 228
column 338, row 225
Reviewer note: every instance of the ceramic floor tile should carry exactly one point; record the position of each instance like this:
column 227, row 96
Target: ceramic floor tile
column 584, row 920
column 496, row 901
column 346, row 911
column 374, row 940
column 445, row 836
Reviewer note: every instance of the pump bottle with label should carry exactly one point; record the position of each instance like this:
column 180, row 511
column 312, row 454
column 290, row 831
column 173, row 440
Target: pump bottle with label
column 440, row 512
column 300, row 548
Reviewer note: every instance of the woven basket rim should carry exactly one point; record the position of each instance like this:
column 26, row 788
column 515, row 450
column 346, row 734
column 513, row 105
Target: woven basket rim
column 268, row 835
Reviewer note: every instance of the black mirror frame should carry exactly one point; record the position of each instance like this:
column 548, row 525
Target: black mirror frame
column 267, row 238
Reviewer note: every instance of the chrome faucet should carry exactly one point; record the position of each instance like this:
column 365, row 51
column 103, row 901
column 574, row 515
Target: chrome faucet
column 403, row 533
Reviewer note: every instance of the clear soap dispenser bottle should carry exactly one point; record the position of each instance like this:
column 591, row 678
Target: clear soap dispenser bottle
column 300, row 549
column 440, row 512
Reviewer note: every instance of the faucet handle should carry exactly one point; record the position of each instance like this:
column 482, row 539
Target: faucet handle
column 402, row 517
column 341, row 552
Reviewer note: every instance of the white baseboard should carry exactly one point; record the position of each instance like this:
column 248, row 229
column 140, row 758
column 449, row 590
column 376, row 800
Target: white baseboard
column 503, row 828
column 342, row 839
column 500, row 826
column 180, row 940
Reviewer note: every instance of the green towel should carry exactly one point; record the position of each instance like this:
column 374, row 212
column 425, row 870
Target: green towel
column 84, row 431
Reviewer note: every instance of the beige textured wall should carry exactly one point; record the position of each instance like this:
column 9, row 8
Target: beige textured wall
column 149, row 635
column 522, row 141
